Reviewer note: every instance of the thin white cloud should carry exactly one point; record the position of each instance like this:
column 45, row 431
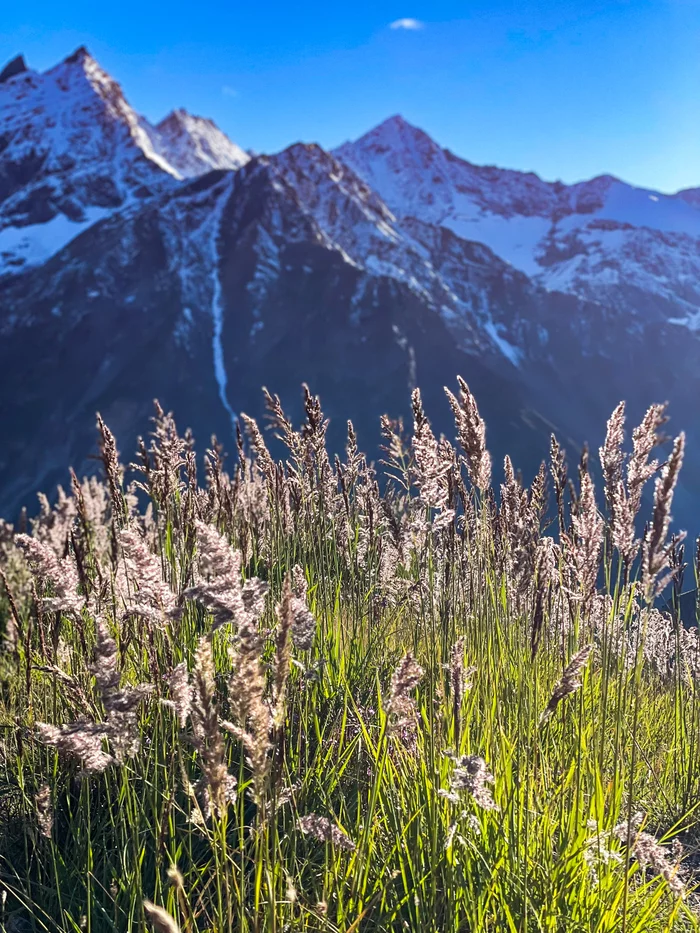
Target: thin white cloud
column 406, row 23
column 229, row 91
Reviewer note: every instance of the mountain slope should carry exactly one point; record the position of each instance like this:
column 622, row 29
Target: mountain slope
column 176, row 266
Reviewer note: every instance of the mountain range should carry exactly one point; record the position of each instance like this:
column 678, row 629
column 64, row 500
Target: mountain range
column 142, row 261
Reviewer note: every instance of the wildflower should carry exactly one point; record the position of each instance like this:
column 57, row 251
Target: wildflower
column 400, row 707
column 472, row 775
column 322, row 829
column 596, row 852
column 569, row 682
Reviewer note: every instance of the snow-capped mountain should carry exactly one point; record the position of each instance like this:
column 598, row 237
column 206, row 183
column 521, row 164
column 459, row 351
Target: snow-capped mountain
column 72, row 151
column 194, row 145
column 163, row 261
column 598, row 239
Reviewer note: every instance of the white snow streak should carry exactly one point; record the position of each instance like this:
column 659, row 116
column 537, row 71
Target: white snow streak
column 217, row 312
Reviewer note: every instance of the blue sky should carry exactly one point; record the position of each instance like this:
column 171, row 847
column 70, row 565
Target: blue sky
column 567, row 89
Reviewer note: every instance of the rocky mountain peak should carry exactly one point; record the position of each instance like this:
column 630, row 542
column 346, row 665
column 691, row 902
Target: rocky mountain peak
column 193, row 145
column 12, row 68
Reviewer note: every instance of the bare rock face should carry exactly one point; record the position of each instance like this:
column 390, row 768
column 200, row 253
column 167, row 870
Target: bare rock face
column 15, row 67
column 141, row 261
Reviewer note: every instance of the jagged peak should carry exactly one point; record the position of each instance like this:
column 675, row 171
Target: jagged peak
column 80, row 55
column 397, row 127
column 182, row 118
column 15, row 67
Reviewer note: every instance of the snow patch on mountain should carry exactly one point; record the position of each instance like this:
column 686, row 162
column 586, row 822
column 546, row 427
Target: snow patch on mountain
column 217, row 310
column 24, row 247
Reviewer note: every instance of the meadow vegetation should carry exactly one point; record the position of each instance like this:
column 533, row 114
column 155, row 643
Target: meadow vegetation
column 308, row 694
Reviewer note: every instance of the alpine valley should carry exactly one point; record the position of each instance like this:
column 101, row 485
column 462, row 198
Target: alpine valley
column 141, row 262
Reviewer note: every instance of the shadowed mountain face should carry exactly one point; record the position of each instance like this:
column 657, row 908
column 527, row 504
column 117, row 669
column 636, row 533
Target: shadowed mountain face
column 140, row 262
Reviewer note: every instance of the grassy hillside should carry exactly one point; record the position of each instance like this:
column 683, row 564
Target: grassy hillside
column 304, row 696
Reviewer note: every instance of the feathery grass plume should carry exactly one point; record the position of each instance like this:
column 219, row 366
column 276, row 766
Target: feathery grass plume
column 538, row 494
column 460, row 682
column 217, row 788
column 354, row 459
column 655, row 547
column 159, row 918
column 322, row 829
column 252, row 715
column 612, row 456
column 113, row 471
column 121, row 705
column 471, row 431
column 283, row 650
column 625, row 495
column 299, row 585
column 471, row 774
column 44, row 810
column 400, row 708
column 81, row 739
column 222, row 592
column 557, row 460
column 645, row 438
column 647, row 851
column 317, row 465
column 396, row 448
column 153, row 599
column 265, row 462
column 518, row 527
column 60, row 574
column 303, row 621
column 181, row 693
column 429, row 469
column 284, row 428
column 542, row 586
column 161, row 463
column 569, row 682
column 584, row 546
